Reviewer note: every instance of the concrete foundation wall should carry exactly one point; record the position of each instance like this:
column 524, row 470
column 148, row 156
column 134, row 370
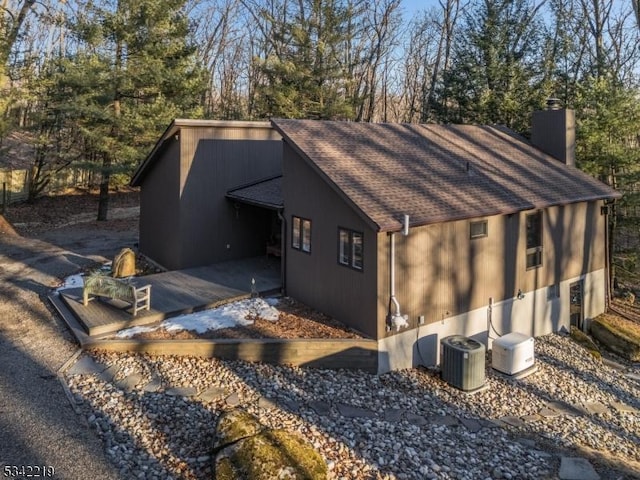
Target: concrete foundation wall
column 540, row 312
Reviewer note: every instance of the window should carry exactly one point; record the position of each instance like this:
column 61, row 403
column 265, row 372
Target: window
column 478, row 229
column 301, row 234
column 534, row 240
column 350, row 248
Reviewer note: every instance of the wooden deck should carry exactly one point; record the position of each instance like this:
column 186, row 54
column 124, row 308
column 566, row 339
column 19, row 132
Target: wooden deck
column 178, row 292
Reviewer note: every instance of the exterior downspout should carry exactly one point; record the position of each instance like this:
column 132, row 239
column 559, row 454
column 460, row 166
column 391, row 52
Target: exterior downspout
column 396, row 319
column 283, row 251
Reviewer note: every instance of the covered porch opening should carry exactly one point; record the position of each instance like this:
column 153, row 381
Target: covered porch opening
column 265, row 196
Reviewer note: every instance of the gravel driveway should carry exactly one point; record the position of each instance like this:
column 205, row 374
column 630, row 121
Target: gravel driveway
column 39, row 427
column 152, row 418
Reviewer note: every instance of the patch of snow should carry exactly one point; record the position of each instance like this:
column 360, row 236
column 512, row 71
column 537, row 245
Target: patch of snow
column 240, row 313
column 273, row 301
column 130, row 332
column 74, row 281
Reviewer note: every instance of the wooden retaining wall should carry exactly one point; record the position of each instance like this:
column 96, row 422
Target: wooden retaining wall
column 316, row 353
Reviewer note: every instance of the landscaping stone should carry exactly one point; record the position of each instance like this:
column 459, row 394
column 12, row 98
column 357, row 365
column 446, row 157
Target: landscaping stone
column 233, row 400
column 549, row 413
column 614, row 339
column 212, row 393
column 513, row 421
column 86, row 366
column 245, row 450
column 110, row 374
column 471, row 424
column 393, row 414
column 130, row 382
column 623, row 407
column 124, row 264
column 446, row 420
column 290, row 405
column 154, row 385
column 235, row 425
column 321, row 408
column 267, row 403
column 565, row 409
column 354, row 412
column 531, row 418
column 181, row 392
column 417, row 420
column 575, row 468
column 596, row 408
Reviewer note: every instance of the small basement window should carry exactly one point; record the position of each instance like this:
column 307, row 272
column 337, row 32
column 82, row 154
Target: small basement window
column 478, row 229
column 301, row 234
column 350, row 248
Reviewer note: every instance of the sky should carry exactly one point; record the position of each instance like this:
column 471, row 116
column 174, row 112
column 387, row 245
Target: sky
column 412, row 6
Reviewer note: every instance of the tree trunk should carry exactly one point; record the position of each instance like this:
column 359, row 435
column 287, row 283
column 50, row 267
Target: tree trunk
column 103, row 197
column 107, row 160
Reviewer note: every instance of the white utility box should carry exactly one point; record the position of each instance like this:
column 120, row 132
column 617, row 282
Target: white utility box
column 512, row 353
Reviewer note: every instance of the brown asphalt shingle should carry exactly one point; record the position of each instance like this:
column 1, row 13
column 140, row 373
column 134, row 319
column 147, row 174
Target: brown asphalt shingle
column 266, row 193
column 436, row 173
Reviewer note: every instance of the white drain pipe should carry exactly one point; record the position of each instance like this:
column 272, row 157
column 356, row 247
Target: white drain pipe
column 397, row 319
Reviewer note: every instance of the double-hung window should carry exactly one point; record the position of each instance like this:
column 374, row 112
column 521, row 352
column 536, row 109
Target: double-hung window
column 534, row 239
column 301, row 234
column 350, row 248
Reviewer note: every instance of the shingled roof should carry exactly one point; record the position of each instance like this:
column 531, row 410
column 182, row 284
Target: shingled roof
column 436, row 173
column 264, row 193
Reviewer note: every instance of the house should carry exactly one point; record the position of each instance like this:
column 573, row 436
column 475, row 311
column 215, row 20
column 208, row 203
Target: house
column 410, row 233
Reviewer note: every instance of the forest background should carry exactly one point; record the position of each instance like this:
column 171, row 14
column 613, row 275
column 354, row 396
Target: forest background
column 92, row 84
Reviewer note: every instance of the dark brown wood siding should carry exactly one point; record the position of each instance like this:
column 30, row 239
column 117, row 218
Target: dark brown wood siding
column 186, row 220
column 213, row 228
column 441, row 272
column 160, row 207
column 316, row 278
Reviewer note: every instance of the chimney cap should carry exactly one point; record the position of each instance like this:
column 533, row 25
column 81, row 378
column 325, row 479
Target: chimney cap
column 553, row 103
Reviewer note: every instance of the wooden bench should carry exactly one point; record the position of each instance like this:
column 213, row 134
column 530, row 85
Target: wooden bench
column 98, row 285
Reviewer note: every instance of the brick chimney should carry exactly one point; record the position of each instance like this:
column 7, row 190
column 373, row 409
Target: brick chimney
column 554, row 131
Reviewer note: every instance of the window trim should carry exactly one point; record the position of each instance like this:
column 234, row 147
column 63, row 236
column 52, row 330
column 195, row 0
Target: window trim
column 298, row 238
column 350, row 250
column 485, row 229
column 535, row 251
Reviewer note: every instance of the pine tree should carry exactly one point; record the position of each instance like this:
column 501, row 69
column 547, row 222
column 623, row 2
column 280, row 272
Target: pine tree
column 497, row 68
column 304, row 76
column 133, row 72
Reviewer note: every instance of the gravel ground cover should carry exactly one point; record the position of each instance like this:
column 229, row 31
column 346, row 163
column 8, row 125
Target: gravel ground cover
column 156, row 416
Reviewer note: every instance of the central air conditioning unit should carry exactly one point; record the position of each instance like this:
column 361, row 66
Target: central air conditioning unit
column 512, row 353
column 462, row 362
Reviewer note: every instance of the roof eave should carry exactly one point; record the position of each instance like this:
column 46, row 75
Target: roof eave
column 397, row 226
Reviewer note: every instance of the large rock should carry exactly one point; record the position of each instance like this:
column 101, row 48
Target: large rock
column 245, row 450
column 615, row 338
column 124, row 264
